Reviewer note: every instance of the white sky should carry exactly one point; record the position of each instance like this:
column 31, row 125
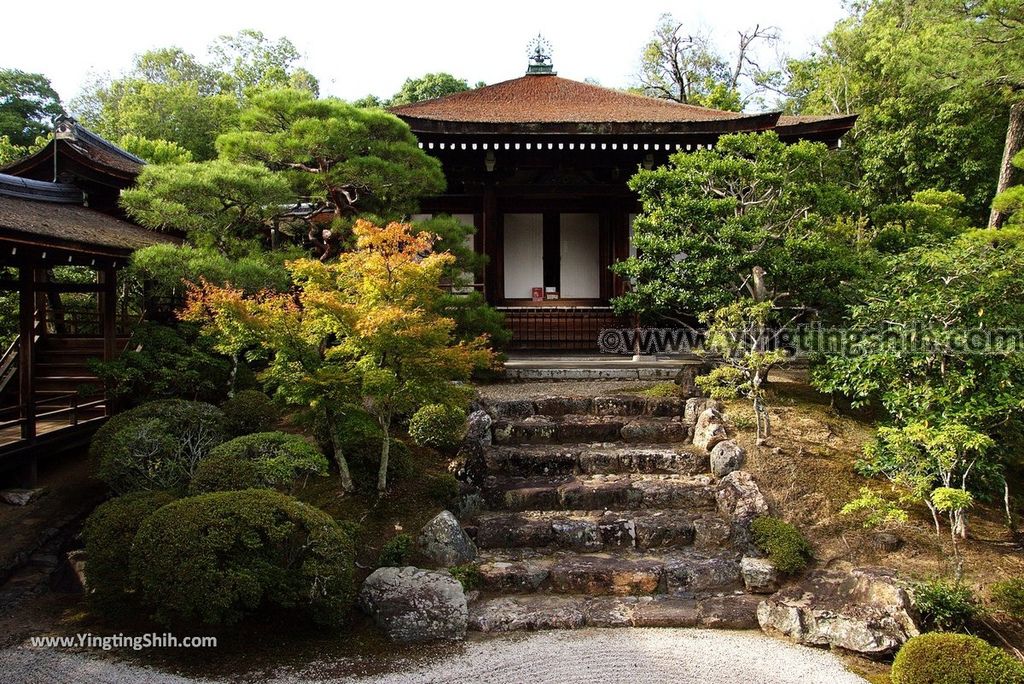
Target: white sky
column 371, row 46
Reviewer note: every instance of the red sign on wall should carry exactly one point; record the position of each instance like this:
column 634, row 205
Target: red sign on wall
column 538, row 294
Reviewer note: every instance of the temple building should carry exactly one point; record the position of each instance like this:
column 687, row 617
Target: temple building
column 59, row 208
column 539, row 165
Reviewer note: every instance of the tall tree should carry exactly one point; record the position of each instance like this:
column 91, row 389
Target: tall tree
column 343, row 159
column 249, row 61
column 689, row 68
column 427, row 87
column 28, row 105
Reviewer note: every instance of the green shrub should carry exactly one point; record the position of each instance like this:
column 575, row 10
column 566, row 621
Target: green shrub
column 108, row 533
column 944, row 605
column 1008, row 596
column 164, row 362
column 395, row 552
column 360, row 438
column 939, row 658
column 262, row 459
column 219, row 557
column 468, row 575
column 444, row 489
column 249, row 411
column 786, row 547
column 438, row 426
column 158, row 445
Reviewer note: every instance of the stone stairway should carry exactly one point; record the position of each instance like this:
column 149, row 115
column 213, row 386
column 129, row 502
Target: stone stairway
column 603, row 512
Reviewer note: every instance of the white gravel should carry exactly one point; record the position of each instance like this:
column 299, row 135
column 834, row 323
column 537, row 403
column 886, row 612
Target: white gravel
column 633, row 656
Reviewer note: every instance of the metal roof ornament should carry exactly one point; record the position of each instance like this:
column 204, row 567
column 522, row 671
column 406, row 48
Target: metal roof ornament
column 539, row 54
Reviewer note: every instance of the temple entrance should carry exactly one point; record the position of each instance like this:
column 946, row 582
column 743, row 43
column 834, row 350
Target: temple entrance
column 552, row 256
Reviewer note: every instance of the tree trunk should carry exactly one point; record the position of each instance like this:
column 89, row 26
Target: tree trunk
column 339, row 457
column 385, row 450
column 1014, row 143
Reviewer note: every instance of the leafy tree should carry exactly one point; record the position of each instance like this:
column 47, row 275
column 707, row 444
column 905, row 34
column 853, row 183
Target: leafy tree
column 220, row 204
column 1010, row 201
column 155, row 151
column 688, row 67
column 932, row 82
column 28, row 106
column 343, row 159
column 367, row 325
column 427, row 87
column 752, row 218
column 248, row 61
column 930, row 345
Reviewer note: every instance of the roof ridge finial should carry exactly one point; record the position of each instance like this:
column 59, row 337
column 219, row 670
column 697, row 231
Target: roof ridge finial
column 539, row 54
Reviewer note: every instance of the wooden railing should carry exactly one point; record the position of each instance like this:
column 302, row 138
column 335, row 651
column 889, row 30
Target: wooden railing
column 569, row 328
column 28, row 416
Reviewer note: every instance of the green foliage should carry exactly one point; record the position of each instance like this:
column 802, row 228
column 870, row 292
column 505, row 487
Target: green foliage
column 396, row 551
column 663, row 390
column 219, row 557
column 954, row 659
column 109, row 532
column 1011, row 200
column 169, row 94
column 218, row 203
column 928, row 83
column 427, row 87
column 155, row 151
column 439, row 426
column 165, row 362
column 786, row 547
column 249, row 411
column 359, row 160
column 468, row 575
column 875, row 509
column 701, row 233
column 1008, row 596
column 951, row 499
column 930, row 218
column 28, row 106
column 168, row 269
column 261, row 459
column 157, row 445
column 444, row 489
column 945, row 606
column 722, row 382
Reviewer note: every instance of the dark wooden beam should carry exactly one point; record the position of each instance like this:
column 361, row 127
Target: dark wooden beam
column 26, row 344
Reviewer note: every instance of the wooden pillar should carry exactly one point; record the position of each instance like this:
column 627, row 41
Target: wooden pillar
column 26, row 334
column 108, row 312
column 491, row 246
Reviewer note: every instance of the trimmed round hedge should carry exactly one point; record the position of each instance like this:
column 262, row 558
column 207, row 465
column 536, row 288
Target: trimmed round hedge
column 216, row 558
column 157, row 446
column 262, row 459
column 108, row 533
column 249, row 411
column 437, row 425
column 943, row 658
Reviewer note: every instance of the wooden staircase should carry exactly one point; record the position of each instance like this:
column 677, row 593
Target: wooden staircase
column 63, row 377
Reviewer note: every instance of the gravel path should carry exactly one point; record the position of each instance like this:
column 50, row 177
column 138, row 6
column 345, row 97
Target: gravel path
column 633, row 656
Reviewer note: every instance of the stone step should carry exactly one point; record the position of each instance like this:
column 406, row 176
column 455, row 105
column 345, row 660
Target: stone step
column 576, row 428
column 592, row 459
column 601, row 530
column 679, row 573
column 600, row 492
column 539, row 611
column 613, row 405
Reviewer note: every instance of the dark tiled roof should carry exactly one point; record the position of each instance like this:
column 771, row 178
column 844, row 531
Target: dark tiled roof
column 551, row 99
column 71, row 138
column 68, row 223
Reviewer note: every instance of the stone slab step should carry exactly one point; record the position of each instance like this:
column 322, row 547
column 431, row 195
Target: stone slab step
column 575, row 428
column 612, row 405
column 560, row 374
column 686, row 573
column 535, row 612
column 600, row 492
column 592, row 459
column 601, row 530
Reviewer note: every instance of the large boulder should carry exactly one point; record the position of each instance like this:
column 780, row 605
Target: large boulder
column 865, row 610
column 726, row 457
column 709, row 430
column 760, row 576
column 739, row 496
column 443, row 542
column 478, row 430
column 414, row 605
column 696, row 406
